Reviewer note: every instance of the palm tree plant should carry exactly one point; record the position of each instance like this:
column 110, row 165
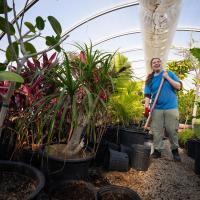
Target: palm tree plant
column 125, row 105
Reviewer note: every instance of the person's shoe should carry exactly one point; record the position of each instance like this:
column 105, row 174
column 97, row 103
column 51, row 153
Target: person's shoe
column 176, row 155
column 156, row 154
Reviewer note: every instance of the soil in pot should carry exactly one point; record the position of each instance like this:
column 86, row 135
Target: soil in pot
column 115, row 196
column 14, row 186
column 113, row 192
column 74, row 190
column 56, row 151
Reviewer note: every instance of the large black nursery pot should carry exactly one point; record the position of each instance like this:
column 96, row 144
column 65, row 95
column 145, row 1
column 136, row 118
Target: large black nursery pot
column 113, row 192
column 31, row 157
column 197, row 157
column 58, row 169
column 112, row 134
column 115, row 160
column 191, row 143
column 133, row 136
column 103, row 149
column 73, row 190
column 20, row 181
column 7, row 144
column 140, row 157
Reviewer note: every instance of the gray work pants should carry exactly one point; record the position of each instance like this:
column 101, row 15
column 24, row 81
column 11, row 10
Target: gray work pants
column 168, row 119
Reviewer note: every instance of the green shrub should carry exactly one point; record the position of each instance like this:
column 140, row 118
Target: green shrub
column 197, row 128
column 185, row 136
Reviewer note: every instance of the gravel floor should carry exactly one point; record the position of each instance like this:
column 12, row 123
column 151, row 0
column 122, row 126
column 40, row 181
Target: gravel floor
column 164, row 180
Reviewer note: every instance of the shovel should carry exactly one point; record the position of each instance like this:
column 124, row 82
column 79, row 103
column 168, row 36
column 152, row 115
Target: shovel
column 154, row 104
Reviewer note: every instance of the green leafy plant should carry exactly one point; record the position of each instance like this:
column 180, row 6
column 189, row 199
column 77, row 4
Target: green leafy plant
column 185, row 135
column 180, row 68
column 20, row 48
column 125, row 105
column 77, row 107
column 197, row 128
column 185, row 105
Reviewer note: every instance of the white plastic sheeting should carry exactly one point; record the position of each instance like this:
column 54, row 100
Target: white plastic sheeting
column 158, row 23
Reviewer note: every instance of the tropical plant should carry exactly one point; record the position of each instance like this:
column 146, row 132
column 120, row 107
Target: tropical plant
column 20, row 48
column 35, row 86
column 125, row 105
column 196, row 53
column 181, row 68
column 83, row 84
column 185, row 105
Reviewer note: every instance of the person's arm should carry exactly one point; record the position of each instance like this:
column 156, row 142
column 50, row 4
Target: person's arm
column 175, row 84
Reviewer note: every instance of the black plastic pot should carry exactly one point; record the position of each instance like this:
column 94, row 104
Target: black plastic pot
column 128, row 150
column 115, row 160
column 73, row 189
column 31, row 157
column 197, row 157
column 112, row 134
column 103, row 148
column 191, row 143
column 26, row 170
column 131, row 136
column 113, row 191
column 7, row 144
column 140, row 157
column 56, row 169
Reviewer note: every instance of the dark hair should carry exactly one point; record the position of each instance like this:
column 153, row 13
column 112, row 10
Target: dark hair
column 150, row 76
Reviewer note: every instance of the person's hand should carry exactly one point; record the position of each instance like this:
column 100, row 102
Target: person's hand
column 165, row 75
column 146, row 112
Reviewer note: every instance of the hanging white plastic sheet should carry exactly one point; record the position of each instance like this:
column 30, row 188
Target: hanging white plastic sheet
column 158, row 23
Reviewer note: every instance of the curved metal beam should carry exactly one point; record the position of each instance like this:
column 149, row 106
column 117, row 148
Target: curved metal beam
column 197, row 29
column 100, row 13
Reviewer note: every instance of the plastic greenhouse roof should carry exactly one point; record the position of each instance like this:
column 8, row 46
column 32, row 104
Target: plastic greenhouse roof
column 122, row 26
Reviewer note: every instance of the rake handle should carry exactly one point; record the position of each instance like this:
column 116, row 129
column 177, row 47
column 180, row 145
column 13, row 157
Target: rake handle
column 154, row 103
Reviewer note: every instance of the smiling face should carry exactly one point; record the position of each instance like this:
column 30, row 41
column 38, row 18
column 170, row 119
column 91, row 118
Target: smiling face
column 156, row 65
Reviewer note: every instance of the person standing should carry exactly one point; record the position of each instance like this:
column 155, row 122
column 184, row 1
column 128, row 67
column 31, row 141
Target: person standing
column 165, row 114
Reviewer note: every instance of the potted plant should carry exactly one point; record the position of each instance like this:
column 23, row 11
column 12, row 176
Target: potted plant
column 20, row 181
column 197, row 145
column 31, row 133
column 75, row 113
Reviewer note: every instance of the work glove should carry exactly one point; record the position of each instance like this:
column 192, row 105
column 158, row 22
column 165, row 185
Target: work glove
column 146, row 112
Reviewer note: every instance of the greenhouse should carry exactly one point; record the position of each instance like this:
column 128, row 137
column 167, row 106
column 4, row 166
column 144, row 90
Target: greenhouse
column 99, row 100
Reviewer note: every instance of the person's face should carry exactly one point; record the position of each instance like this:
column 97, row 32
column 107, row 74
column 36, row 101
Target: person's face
column 156, row 65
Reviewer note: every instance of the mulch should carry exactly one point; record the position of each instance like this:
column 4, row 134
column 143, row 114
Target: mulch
column 164, row 179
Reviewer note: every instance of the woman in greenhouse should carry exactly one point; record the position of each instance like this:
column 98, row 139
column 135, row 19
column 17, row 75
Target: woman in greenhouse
column 165, row 114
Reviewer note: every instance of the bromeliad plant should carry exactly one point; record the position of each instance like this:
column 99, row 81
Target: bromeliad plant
column 75, row 112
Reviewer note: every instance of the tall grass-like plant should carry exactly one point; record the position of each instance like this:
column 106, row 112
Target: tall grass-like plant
column 76, row 111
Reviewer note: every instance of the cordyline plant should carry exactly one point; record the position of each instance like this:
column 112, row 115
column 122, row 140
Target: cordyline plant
column 20, row 49
column 31, row 133
column 76, row 111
